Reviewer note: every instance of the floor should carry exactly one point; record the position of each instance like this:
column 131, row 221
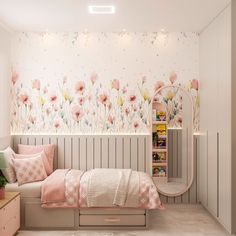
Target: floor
column 176, row 220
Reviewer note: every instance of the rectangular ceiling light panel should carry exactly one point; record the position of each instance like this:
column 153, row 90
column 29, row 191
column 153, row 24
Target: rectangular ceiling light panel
column 101, row 9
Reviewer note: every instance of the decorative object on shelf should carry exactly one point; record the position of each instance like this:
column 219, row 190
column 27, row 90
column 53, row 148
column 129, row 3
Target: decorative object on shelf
column 158, row 157
column 159, row 171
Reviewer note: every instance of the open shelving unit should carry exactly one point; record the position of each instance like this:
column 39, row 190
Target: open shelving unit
column 159, row 145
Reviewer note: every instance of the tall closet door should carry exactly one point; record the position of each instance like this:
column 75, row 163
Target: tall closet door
column 209, row 112
column 224, row 119
column 215, row 120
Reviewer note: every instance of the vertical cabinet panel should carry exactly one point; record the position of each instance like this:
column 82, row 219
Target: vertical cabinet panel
column 203, row 170
column 215, row 74
column 224, row 120
column 212, row 172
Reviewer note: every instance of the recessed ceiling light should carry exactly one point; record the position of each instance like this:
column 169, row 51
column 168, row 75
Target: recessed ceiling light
column 101, row 9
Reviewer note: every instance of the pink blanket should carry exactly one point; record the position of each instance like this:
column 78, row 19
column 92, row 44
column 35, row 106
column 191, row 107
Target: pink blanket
column 61, row 189
column 53, row 187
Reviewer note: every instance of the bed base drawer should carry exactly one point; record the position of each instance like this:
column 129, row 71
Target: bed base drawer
column 38, row 217
column 111, row 211
column 112, row 220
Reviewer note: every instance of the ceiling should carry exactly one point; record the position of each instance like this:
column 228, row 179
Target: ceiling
column 132, row 15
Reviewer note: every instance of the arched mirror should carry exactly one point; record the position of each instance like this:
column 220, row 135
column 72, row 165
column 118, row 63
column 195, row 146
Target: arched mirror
column 172, row 140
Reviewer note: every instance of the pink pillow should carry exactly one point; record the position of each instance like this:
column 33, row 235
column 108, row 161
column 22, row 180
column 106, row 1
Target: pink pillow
column 29, row 169
column 48, row 149
column 44, row 159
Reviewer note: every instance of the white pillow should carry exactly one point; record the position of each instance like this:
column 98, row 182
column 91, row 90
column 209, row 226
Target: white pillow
column 9, row 172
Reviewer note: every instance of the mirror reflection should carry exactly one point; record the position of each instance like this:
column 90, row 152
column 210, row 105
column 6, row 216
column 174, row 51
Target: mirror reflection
column 172, row 140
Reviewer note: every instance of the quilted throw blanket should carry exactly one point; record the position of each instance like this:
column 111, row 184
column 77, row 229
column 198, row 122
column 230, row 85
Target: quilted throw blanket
column 75, row 189
column 112, row 187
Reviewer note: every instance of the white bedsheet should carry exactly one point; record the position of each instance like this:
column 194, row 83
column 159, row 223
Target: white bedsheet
column 29, row 190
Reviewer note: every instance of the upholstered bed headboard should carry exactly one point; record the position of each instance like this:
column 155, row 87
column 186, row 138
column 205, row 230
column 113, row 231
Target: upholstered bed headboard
column 94, row 151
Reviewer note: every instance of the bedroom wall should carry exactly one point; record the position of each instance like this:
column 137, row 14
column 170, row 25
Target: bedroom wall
column 233, row 118
column 215, row 118
column 96, row 82
column 4, row 86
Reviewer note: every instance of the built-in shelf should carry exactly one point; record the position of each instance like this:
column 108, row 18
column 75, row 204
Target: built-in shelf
column 159, row 150
column 159, row 122
column 159, row 164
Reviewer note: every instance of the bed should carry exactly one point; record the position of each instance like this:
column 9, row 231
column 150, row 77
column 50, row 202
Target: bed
column 85, row 152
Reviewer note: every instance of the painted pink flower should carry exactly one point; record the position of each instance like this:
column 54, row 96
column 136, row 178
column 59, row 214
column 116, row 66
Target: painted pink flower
column 48, row 111
column 45, row 90
column 81, row 101
column 136, row 125
column 124, row 90
column 179, row 120
column 56, row 109
column 111, row 119
column 14, row 77
column 195, row 84
column 89, row 97
column 109, row 105
column 158, row 85
column 24, row 98
column 77, row 113
column 53, row 98
column 127, row 111
column 57, row 124
column 115, row 84
column 173, row 77
column 104, row 99
column 135, row 108
column 36, row 84
column 94, row 78
column 80, row 87
column 132, row 98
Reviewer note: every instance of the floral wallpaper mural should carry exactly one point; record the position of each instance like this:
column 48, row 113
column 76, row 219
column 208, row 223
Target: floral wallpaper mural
column 77, row 82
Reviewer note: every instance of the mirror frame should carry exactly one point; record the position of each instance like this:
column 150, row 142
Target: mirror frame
column 192, row 142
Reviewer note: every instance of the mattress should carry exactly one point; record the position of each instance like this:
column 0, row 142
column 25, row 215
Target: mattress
column 29, row 190
column 148, row 195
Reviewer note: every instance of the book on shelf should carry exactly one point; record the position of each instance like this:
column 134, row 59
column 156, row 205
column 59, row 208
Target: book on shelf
column 158, row 157
column 161, row 129
column 159, row 171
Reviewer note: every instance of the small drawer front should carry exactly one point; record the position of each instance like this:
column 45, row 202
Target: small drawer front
column 10, row 210
column 2, row 216
column 112, row 220
column 11, row 227
column 111, row 211
column 36, row 216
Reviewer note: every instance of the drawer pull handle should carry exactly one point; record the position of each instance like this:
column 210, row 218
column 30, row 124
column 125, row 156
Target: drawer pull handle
column 112, row 220
column 112, row 209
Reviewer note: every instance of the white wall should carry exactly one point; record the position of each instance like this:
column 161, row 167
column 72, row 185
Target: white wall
column 4, row 83
column 233, row 105
column 215, row 118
